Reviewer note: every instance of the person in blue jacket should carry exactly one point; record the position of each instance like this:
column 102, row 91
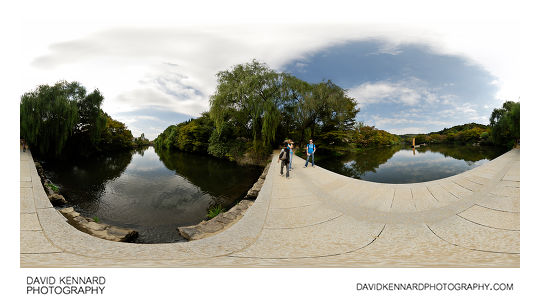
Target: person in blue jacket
column 291, row 147
column 310, row 152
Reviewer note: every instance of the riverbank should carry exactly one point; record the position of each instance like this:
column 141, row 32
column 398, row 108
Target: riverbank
column 152, row 193
column 84, row 224
column 224, row 220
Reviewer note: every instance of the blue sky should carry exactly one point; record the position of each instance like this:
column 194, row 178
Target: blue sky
column 407, row 78
column 406, row 88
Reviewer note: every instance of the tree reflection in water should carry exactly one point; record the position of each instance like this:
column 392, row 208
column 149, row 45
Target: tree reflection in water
column 402, row 164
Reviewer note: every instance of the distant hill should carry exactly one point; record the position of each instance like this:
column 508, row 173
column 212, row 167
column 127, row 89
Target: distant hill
column 454, row 129
column 460, row 128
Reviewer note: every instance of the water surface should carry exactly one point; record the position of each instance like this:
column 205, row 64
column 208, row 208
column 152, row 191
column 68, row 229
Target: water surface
column 150, row 192
column 400, row 164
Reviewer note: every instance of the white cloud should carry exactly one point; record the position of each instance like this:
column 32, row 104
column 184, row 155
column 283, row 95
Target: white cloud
column 409, row 92
column 382, row 122
column 408, row 130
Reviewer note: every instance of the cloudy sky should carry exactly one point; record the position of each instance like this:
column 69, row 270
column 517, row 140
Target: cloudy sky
column 406, row 77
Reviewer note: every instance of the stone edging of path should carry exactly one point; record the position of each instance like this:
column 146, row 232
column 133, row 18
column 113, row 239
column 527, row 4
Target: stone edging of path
column 224, row 220
column 96, row 229
column 64, row 238
column 84, row 224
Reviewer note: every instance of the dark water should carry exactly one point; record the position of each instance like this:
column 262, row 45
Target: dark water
column 150, row 192
column 399, row 164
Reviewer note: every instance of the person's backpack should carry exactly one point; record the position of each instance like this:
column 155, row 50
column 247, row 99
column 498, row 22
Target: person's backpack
column 281, row 154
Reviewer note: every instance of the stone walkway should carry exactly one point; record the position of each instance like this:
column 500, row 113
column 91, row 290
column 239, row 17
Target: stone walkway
column 315, row 219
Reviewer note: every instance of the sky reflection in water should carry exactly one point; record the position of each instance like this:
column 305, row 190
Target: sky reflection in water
column 403, row 165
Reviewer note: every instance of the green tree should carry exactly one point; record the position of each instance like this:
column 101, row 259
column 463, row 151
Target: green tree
column 115, row 136
column 194, row 135
column 504, row 124
column 168, row 138
column 141, row 141
column 92, row 119
column 49, row 114
column 322, row 111
column 247, row 98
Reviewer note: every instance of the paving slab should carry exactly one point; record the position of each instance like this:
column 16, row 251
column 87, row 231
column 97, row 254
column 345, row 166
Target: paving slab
column 455, row 189
column 467, row 184
column 36, row 242
column 501, row 203
column 492, row 218
column 440, row 194
column 463, row 233
column 299, row 217
column 477, row 179
column 512, row 174
column 340, row 235
column 27, row 200
column 505, row 191
column 422, row 198
column 29, row 222
column 402, row 200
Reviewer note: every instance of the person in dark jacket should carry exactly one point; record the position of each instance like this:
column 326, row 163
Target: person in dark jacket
column 284, row 157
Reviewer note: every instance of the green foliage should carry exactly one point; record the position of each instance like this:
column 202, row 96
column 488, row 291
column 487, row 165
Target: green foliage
column 193, row 136
column 49, row 114
column 321, row 111
column 168, row 138
column 115, row 136
column 63, row 120
column 504, row 124
column 469, row 133
column 246, row 98
column 213, row 211
column 53, row 187
column 141, row 141
column 96, row 219
column 368, row 136
column 226, row 145
column 92, row 120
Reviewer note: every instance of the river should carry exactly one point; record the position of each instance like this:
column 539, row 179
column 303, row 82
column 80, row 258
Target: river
column 399, row 164
column 153, row 193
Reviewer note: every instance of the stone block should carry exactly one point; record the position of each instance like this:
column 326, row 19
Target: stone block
column 69, row 212
column 191, row 232
column 57, row 199
column 211, row 226
column 95, row 226
column 124, row 235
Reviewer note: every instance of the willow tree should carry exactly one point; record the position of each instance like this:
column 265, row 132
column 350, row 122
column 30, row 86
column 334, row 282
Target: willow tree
column 49, row 114
column 504, row 124
column 246, row 99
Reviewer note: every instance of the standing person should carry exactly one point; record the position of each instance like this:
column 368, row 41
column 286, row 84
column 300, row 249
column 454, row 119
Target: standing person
column 291, row 147
column 310, row 152
column 284, row 157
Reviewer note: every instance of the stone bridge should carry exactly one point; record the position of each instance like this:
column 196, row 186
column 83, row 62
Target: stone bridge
column 315, row 219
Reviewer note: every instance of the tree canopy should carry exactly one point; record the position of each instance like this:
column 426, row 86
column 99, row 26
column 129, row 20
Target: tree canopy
column 254, row 108
column 63, row 120
column 263, row 106
column 247, row 97
column 504, row 124
column 49, row 114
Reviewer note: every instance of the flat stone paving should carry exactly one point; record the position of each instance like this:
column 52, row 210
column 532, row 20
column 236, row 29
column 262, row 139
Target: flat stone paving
column 316, row 218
